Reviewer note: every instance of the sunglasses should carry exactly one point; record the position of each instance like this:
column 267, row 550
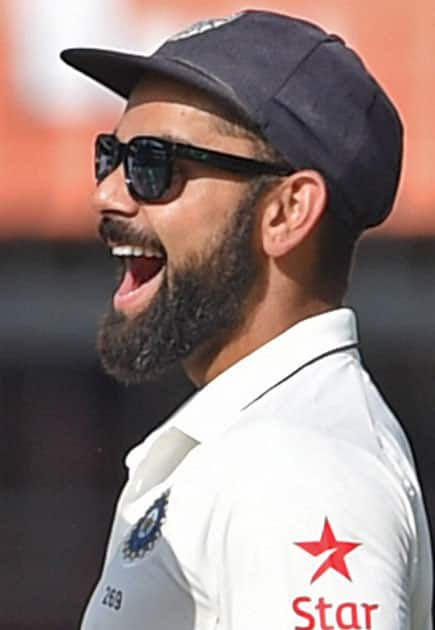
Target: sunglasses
column 149, row 163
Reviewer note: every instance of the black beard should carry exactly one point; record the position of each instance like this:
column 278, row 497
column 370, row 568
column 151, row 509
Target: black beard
column 202, row 305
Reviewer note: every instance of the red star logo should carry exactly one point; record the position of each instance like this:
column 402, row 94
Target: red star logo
column 335, row 560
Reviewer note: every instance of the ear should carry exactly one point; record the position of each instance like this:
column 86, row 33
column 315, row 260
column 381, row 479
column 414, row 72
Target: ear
column 291, row 211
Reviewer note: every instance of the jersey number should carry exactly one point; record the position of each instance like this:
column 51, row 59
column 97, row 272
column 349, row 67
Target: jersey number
column 112, row 598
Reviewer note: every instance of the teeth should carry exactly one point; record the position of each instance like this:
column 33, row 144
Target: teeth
column 129, row 250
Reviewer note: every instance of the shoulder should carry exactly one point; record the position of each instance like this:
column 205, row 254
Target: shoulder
column 268, row 460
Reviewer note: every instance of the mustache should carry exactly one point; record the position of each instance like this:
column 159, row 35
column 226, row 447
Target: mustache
column 115, row 232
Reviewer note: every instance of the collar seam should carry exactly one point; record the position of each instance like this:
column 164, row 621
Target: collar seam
column 351, row 346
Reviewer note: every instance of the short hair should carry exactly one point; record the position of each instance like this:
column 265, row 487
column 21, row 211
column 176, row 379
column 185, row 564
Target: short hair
column 336, row 241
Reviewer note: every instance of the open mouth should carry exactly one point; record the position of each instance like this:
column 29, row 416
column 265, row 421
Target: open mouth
column 143, row 272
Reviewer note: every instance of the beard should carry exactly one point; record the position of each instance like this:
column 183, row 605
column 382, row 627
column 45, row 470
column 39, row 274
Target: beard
column 199, row 308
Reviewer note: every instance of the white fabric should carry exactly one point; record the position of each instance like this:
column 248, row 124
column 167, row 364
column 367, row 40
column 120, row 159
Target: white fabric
column 162, row 456
column 300, row 508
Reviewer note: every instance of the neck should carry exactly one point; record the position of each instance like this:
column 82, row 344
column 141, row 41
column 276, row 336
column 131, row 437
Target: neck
column 266, row 323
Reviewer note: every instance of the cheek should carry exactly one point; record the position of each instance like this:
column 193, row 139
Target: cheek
column 192, row 223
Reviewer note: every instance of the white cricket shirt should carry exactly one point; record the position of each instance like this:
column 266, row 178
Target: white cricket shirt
column 291, row 504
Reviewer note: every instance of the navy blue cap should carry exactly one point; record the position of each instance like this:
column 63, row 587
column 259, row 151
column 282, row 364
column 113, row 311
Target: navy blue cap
column 308, row 93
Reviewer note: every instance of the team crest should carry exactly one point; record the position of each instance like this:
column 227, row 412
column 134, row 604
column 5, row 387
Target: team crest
column 205, row 25
column 147, row 530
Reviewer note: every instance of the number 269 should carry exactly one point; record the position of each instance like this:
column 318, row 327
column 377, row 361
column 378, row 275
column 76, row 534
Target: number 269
column 112, row 598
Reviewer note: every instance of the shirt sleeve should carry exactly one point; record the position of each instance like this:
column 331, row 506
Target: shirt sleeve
column 319, row 536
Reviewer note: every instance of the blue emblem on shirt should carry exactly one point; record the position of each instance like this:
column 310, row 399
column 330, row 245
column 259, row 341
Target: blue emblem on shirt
column 147, row 530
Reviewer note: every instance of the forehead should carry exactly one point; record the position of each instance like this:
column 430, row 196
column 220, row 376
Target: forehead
column 166, row 107
column 158, row 89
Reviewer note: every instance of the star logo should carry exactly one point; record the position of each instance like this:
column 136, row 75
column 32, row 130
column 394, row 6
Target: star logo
column 339, row 549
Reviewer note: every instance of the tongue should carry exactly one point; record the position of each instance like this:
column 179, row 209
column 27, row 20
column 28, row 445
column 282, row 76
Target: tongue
column 143, row 269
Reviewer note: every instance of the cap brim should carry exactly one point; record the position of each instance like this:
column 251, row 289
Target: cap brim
column 121, row 72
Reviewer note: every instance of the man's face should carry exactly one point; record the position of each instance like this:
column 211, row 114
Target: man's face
column 188, row 293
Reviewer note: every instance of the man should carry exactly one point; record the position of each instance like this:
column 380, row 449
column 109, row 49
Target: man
column 252, row 153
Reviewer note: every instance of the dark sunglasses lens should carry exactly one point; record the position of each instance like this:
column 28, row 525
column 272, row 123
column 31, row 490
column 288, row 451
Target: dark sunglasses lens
column 149, row 168
column 106, row 155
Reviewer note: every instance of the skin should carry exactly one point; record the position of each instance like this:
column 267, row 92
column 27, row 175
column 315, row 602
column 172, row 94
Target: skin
column 186, row 222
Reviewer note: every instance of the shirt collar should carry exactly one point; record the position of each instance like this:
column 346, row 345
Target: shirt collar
column 217, row 405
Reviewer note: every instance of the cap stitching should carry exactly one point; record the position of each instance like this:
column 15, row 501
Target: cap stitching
column 327, row 39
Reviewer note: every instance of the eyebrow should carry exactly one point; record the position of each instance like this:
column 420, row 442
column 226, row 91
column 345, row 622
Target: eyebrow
column 169, row 137
column 174, row 138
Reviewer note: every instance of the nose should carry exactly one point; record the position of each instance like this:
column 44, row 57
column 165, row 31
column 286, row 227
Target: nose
column 111, row 196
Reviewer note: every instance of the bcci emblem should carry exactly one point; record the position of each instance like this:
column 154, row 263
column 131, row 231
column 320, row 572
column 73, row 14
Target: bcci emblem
column 146, row 531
